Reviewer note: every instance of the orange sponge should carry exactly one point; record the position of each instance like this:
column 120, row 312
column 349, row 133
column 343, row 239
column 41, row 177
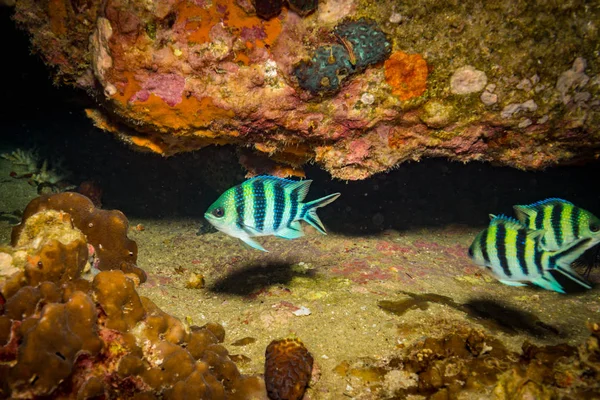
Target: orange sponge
column 406, row 74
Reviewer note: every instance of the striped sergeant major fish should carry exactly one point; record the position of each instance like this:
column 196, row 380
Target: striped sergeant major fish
column 512, row 254
column 562, row 222
column 266, row 205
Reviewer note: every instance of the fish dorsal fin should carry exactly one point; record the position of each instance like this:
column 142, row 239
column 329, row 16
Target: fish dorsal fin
column 547, row 202
column 303, row 187
column 272, row 178
column 289, row 184
column 524, row 213
column 492, row 216
column 509, row 222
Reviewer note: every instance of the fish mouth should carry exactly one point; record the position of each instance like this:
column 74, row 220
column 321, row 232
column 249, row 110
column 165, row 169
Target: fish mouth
column 214, row 221
column 209, row 217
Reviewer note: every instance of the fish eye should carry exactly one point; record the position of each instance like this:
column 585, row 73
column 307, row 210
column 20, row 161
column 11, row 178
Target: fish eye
column 470, row 251
column 595, row 227
column 218, row 212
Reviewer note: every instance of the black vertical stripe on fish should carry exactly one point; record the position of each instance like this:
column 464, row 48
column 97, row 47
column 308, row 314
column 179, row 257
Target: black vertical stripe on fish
column 537, row 257
column 260, row 205
column 304, row 210
column 539, row 219
column 293, row 205
column 575, row 215
column 240, row 206
column 501, row 249
column 527, row 220
column 520, row 247
column 279, row 206
column 483, row 246
column 555, row 221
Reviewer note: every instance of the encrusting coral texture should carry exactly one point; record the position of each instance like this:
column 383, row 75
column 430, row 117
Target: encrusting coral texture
column 468, row 363
column 288, row 368
column 105, row 230
column 308, row 82
column 68, row 330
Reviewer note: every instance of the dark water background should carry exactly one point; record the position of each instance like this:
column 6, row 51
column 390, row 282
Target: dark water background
column 430, row 193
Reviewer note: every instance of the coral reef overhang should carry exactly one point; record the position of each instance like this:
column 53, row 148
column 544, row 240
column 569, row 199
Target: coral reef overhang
column 506, row 84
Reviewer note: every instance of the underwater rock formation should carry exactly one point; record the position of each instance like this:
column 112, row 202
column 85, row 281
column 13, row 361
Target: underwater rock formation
column 69, row 333
column 506, row 84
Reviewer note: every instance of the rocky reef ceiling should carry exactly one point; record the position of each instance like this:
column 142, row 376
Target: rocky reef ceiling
column 356, row 86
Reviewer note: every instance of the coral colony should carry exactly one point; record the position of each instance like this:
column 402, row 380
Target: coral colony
column 66, row 333
column 361, row 45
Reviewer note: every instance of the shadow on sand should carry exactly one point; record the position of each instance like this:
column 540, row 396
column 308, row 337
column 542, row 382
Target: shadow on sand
column 255, row 278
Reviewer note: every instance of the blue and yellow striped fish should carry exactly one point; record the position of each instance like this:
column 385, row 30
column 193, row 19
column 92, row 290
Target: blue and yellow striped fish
column 266, row 205
column 511, row 252
column 562, row 222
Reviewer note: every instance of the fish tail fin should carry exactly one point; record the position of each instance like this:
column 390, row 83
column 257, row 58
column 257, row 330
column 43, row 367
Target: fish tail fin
column 564, row 258
column 561, row 261
column 573, row 276
column 548, row 282
column 309, row 211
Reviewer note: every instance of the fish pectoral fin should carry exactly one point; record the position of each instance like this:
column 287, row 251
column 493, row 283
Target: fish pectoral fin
column 253, row 243
column 512, row 283
column 251, row 231
column 293, row 231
